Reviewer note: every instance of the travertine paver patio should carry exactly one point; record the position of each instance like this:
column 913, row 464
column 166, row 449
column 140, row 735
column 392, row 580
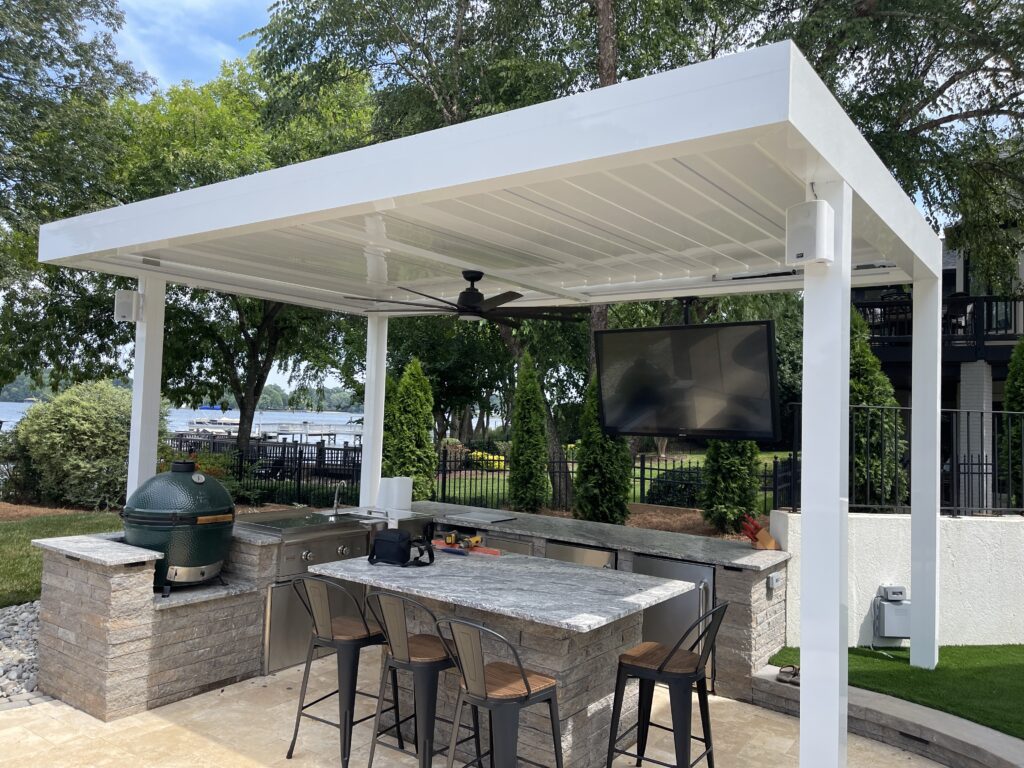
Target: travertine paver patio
column 249, row 724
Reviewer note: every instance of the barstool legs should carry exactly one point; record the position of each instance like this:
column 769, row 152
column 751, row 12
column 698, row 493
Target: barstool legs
column 643, row 726
column 302, row 697
column 348, row 673
column 681, row 701
column 505, row 731
column 424, row 683
column 705, row 719
column 456, row 720
column 620, row 692
column 556, row 729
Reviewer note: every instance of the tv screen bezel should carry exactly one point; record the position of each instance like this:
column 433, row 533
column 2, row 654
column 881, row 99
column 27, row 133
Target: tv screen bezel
column 715, row 434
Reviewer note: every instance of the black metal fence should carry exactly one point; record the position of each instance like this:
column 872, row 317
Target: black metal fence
column 981, row 455
column 278, row 472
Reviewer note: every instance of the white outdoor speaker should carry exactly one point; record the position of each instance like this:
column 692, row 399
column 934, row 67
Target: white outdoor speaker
column 810, row 228
column 126, row 306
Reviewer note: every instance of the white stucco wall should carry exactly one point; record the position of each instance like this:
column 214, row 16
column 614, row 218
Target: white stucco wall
column 981, row 572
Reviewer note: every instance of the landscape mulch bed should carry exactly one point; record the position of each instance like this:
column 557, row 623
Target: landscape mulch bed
column 672, row 519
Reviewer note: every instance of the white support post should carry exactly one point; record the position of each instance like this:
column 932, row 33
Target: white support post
column 824, row 494
column 373, row 408
column 926, row 390
column 146, row 375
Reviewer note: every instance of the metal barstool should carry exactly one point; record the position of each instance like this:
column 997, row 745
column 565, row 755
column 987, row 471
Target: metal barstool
column 346, row 636
column 680, row 670
column 425, row 656
column 502, row 689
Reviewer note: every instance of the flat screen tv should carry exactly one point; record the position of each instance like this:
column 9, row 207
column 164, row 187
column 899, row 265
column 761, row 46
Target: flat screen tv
column 694, row 380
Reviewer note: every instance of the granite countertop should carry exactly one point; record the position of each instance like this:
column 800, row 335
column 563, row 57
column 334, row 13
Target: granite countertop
column 680, row 546
column 202, row 593
column 98, row 548
column 563, row 595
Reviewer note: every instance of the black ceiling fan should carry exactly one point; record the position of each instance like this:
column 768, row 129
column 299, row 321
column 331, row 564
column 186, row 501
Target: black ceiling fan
column 472, row 305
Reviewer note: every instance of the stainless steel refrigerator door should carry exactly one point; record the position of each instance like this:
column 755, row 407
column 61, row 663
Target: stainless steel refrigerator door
column 666, row 622
column 589, row 556
column 516, row 546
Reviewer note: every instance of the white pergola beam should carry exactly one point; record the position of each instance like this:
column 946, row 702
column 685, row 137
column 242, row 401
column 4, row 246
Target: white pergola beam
column 149, row 355
column 373, row 408
column 824, row 494
column 926, row 390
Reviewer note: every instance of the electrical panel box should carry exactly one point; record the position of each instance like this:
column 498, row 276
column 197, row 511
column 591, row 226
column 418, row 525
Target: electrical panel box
column 810, row 233
column 893, row 619
column 127, row 306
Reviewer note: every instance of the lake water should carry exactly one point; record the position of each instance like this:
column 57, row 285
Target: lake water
column 179, row 418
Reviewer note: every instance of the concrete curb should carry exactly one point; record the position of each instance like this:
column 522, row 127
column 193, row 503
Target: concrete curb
column 939, row 736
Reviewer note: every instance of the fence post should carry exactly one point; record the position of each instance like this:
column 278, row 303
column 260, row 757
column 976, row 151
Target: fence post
column 298, row 477
column 643, row 478
column 775, row 482
column 444, row 476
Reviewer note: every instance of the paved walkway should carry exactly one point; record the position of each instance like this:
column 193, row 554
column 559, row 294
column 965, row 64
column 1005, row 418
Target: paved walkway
column 249, row 724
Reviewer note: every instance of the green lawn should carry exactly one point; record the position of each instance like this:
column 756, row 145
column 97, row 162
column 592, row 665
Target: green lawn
column 983, row 683
column 21, row 563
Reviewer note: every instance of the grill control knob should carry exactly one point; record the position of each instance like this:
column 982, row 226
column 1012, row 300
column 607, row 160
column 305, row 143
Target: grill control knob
column 307, row 556
column 343, row 550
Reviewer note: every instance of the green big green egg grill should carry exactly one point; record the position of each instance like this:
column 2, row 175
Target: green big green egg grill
column 186, row 515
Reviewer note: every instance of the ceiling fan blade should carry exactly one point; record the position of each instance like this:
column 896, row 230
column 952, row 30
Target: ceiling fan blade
column 394, row 301
column 432, row 298
column 496, row 301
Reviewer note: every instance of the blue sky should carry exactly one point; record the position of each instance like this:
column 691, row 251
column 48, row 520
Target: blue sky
column 175, row 40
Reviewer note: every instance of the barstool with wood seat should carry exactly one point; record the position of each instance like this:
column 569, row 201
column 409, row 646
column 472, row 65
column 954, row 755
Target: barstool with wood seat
column 425, row 656
column 346, row 635
column 501, row 688
column 680, row 670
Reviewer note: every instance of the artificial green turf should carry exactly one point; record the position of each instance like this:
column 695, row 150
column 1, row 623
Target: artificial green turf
column 983, row 683
column 21, row 563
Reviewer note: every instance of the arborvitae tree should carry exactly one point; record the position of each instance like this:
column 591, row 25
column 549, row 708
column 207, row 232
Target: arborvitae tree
column 1010, row 439
column 730, row 487
column 529, row 484
column 604, row 468
column 408, row 449
column 879, row 435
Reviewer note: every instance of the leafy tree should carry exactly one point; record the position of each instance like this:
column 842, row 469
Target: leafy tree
column 528, row 481
column 604, row 468
column 879, row 443
column 937, row 88
column 74, row 449
column 58, row 70
column 730, row 487
column 186, row 137
column 274, row 398
column 408, row 449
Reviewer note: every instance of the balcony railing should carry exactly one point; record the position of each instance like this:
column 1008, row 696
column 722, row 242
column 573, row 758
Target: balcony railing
column 967, row 321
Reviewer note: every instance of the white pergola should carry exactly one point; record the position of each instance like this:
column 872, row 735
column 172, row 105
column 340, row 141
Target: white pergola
column 673, row 185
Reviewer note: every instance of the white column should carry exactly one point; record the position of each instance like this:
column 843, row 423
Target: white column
column 824, row 494
column 373, row 408
column 149, row 355
column 926, row 387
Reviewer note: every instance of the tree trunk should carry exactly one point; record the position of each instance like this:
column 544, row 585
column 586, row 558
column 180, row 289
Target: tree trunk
column 598, row 322
column 607, row 42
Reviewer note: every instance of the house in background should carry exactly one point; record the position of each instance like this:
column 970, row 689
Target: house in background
column 980, row 444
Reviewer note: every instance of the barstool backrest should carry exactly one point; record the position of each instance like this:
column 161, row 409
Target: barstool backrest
column 315, row 595
column 389, row 611
column 708, row 625
column 468, row 654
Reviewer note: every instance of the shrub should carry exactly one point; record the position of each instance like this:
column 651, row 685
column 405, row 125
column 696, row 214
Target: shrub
column 730, row 487
column 529, row 484
column 77, row 445
column 408, row 431
column 879, row 441
column 679, row 487
column 1011, row 439
column 489, row 462
column 604, row 470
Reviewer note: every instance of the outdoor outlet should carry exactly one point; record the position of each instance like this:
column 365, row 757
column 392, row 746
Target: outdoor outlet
column 774, row 580
column 810, row 228
column 126, row 306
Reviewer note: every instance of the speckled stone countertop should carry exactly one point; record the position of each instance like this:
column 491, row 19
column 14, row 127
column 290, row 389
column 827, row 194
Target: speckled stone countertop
column 98, row 549
column 204, row 593
column 681, row 546
column 550, row 592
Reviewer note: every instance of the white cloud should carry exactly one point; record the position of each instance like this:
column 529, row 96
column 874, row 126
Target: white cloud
column 187, row 39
